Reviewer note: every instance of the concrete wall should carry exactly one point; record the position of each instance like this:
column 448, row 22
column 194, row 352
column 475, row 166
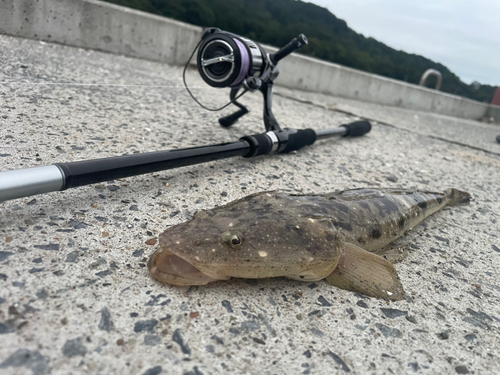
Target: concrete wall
column 315, row 75
column 102, row 26
column 493, row 113
column 107, row 27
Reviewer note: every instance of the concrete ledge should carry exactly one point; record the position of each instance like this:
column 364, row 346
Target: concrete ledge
column 493, row 112
column 102, row 26
column 306, row 73
column 107, row 27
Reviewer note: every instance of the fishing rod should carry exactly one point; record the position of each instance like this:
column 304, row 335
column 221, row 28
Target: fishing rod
column 224, row 60
column 61, row 176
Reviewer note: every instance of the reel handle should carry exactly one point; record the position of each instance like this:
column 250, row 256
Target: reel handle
column 296, row 43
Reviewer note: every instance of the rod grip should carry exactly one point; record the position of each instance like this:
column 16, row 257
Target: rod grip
column 300, row 139
column 296, row 43
column 357, row 128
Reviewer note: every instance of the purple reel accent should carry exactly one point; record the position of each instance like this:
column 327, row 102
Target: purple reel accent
column 245, row 64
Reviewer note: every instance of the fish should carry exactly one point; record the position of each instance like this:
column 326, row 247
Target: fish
column 337, row 236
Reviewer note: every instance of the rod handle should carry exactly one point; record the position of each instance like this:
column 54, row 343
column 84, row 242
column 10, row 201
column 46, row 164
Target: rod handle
column 357, row 128
column 296, row 43
column 301, row 138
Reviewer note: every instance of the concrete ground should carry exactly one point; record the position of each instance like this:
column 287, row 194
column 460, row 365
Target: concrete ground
column 76, row 296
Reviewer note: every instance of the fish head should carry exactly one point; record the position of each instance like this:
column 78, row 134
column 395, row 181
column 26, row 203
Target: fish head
column 255, row 237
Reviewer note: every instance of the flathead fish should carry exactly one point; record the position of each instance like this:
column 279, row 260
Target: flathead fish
column 302, row 237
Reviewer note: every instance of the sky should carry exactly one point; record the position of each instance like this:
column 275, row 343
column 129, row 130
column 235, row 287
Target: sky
column 463, row 35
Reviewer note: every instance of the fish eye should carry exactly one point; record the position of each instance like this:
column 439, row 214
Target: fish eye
column 232, row 240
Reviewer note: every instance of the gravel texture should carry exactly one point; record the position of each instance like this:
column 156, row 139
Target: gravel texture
column 76, row 296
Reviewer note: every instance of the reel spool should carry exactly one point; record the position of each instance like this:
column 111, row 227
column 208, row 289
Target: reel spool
column 226, row 60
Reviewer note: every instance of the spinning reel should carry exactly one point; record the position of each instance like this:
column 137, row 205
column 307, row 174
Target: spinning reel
column 229, row 60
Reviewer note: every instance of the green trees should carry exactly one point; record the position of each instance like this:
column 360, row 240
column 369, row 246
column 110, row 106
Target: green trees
column 275, row 22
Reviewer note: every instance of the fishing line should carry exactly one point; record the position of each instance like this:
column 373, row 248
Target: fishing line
column 93, row 84
column 191, row 94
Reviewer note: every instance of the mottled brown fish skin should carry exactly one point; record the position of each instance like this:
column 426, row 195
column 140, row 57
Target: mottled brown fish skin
column 373, row 218
column 304, row 237
column 275, row 241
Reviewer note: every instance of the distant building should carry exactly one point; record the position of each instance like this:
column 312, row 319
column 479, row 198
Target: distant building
column 496, row 97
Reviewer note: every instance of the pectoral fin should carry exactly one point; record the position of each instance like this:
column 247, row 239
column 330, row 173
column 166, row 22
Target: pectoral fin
column 361, row 271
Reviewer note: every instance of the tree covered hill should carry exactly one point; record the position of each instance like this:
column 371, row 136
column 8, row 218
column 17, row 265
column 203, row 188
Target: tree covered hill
column 276, row 22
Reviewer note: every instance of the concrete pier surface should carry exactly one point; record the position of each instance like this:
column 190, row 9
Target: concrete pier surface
column 76, row 296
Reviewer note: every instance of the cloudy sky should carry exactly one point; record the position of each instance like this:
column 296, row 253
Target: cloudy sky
column 463, row 35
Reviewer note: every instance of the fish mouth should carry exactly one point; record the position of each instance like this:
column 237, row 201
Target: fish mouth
column 169, row 268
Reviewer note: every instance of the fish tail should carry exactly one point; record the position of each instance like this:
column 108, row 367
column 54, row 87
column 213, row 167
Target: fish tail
column 457, row 197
